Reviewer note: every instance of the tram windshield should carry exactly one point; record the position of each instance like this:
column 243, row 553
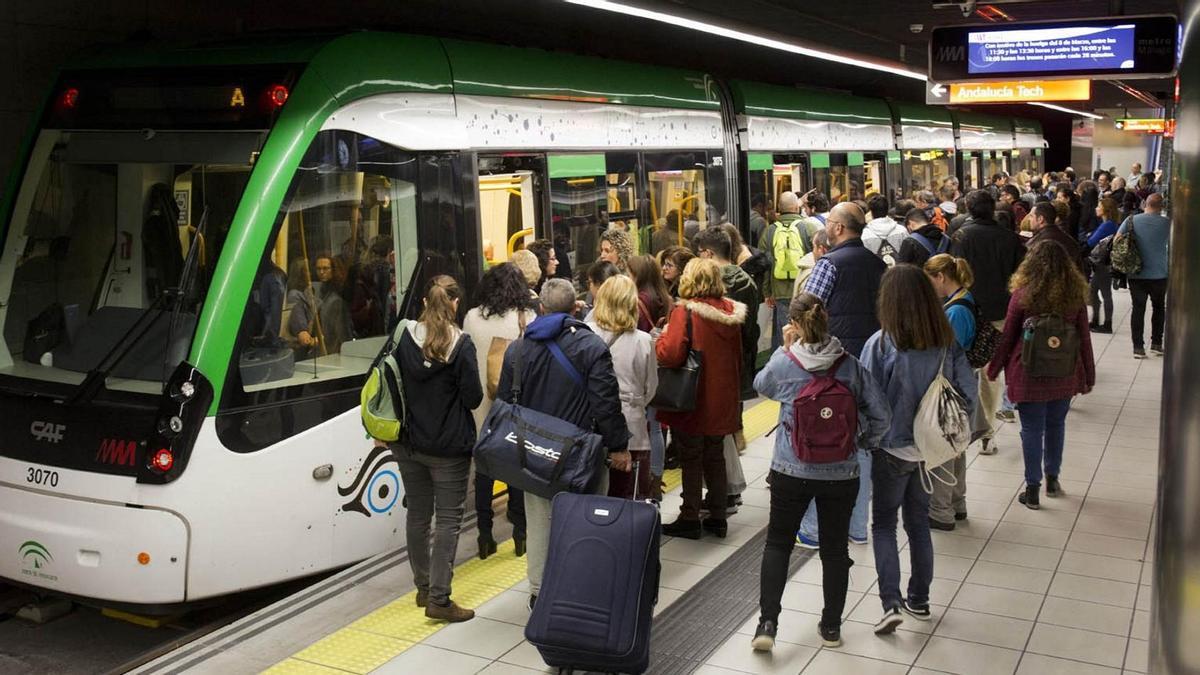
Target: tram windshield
column 96, row 249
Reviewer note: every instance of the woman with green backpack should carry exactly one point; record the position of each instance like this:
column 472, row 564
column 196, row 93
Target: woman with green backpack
column 1045, row 352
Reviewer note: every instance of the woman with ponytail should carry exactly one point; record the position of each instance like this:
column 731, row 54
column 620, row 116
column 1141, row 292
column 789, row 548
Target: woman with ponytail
column 809, row 351
column 952, row 278
column 439, row 372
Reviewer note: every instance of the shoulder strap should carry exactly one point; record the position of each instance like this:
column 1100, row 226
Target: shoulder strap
column 521, row 322
column 644, row 311
column 923, row 241
column 518, row 357
column 943, row 244
column 819, row 217
column 563, row 361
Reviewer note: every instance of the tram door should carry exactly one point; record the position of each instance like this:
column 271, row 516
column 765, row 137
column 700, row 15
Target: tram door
column 870, row 171
column 511, row 202
column 971, row 171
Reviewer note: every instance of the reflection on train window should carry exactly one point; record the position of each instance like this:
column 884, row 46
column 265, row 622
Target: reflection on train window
column 994, row 162
column 927, row 169
column 325, row 295
column 99, row 245
column 680, row 199
column 971, row 175
column 510, row 202
column 834, row 178
column 579, row 204
column 872, row 172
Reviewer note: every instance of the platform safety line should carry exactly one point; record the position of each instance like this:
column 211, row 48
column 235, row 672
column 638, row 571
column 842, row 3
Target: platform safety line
column 389, row 631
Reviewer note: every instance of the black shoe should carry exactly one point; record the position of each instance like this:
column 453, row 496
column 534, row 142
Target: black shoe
column 720, row 528
column 732, row 502
column 519, row 546
column 920, row 612
column 487, row 546
column 764, row 636
column 891, row 619
column 688, row 529
column 960, row 516
column 1139, row 352
column 831, row 636
column 1102, row 328
column 1093, row 325
column 1156, row 350
column 1030, row 497
column 939, row 525
column 1053, row 489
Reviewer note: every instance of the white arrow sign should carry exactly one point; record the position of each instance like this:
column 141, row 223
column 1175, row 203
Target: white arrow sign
column 938, row 89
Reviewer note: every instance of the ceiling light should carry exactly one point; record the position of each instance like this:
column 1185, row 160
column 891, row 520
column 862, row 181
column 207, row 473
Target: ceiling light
column 1069, row 110
column 752, row 38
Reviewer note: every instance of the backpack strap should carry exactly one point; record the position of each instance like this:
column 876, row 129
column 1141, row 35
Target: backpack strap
column 943, row 244
column 923, row 241
column 563, row 361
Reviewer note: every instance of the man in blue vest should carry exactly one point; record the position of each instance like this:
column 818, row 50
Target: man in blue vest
column 847, row 280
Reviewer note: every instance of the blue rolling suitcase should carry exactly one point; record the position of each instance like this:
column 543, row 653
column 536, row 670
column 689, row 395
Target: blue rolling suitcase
column 597, row 598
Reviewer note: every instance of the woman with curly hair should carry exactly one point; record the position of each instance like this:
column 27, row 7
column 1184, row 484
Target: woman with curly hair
column 1047, row 283
column 617, row 248
column 504, row 309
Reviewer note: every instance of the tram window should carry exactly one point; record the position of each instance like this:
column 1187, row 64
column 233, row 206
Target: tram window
column 686, row 193
column 927, row 169
column 100, row 242
column 326, row 291
column 510, row 202
column 831, row 175
column 581, row 201
column 872, row 171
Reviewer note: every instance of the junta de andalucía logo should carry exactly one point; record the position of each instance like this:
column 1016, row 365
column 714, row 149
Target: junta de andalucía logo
column 35, row 558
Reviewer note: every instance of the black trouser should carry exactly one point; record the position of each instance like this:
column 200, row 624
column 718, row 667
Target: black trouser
column 1156, row 290
column 483, row 507
column 1101, row 287
column 790, row 497
column 703, row 462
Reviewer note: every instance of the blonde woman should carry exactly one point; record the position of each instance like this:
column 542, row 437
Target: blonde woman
column 614, row 319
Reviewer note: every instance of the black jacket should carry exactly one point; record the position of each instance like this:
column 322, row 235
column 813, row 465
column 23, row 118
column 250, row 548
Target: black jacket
column 439, row 397
column 994, row 253
column 1055, row 233
column 911, row 250
column 851, row 306
column 546, row 386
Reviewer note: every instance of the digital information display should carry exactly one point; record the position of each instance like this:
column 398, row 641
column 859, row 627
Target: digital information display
column 1044, row 49
column 1121, row 47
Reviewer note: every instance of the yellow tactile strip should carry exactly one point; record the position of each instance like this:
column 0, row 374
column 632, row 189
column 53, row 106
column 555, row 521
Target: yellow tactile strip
column 383, row 634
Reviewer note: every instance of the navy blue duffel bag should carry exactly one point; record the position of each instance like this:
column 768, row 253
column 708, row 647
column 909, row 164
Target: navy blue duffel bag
column 535, row 452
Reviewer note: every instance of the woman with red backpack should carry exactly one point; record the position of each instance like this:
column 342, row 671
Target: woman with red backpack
column 814, row 379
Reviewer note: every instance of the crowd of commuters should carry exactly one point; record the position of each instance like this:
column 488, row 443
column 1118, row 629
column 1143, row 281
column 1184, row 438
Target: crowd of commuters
column 868, row 303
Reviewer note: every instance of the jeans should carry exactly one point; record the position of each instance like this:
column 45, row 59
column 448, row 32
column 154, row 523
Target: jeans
column 1156, row 290
column 809, row 527
column 483, row 506
column 433, row 485
column 947, row 501
column 703, row 462
column 898, row 488
column 658, row 446
column 537, row 510
column 1101, row 288
column 790, row 496
column 1043, row 432
column 779, row 319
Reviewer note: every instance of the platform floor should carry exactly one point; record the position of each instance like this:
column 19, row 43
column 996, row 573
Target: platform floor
column 1060, row 590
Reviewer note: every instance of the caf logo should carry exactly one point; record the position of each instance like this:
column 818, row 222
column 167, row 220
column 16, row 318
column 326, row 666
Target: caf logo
column 826, row 413
column 1054, row 342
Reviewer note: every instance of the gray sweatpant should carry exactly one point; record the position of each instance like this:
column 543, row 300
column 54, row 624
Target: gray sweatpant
column 948, row 500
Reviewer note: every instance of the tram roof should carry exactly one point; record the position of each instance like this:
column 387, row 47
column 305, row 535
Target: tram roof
column 980, row 122
column 769, row 100
column 923, row 115
column 358, row 64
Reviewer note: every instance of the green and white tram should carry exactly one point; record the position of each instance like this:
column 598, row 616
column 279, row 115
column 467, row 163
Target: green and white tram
column 202, row 249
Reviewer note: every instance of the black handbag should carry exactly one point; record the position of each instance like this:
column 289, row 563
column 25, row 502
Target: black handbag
column 536, row 452
column 677, row 386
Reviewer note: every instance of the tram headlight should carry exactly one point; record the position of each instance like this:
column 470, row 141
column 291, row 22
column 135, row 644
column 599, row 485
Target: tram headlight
column 187, row 390
column 162, row 460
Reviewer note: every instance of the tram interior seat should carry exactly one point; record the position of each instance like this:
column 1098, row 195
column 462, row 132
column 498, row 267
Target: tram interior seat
column 150, row 358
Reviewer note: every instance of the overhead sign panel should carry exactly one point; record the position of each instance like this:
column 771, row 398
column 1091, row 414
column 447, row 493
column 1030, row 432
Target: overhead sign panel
column 1152, row 125
column 1125, row 47
column 1021, row 92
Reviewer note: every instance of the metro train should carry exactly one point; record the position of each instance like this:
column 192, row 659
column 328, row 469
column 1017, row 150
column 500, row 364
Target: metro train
column 203, row 248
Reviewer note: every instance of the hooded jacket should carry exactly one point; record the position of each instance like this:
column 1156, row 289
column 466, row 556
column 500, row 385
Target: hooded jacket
column 780, row 380
column 439, row 396
column 914, row 253
column 739, row 287
column 717, row 333
column 548, row 388
column 994, row 253
column 883, row 229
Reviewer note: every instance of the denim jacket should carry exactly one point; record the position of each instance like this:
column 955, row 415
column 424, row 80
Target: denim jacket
column 781, row 380
column 905, row 376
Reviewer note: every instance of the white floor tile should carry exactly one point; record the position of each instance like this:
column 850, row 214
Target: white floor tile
column 1002, row 601
column 832, row 662
column 736, row 654
column 1010, row 576
column 703, row 552
column 1141, row 625
column 1086, row 615
column 499, row 668
column 480, row 636
column 526, row 655
column 510, row 606
column 1100, row 544
column 1037, row 664
column 422, row 658
column 1023, row 555
column 1031, row 535
column 1101, row 566
column 899, row 647
column 1078, row 645
column 681, row 576
column 1137, row 656
column 990, row 629
column 796, row 627
column 969, row 658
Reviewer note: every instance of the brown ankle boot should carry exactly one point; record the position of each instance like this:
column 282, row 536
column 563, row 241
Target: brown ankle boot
column 451, row 612
column 422, row 598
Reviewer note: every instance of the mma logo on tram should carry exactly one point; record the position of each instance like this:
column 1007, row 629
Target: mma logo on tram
column 116, row 451
column 34, row 558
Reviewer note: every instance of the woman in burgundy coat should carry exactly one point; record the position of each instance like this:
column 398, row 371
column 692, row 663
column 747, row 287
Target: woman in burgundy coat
column 1046, row 283
column 717, row 333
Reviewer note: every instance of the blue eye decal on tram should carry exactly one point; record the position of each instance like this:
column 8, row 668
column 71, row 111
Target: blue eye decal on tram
column 376, row 488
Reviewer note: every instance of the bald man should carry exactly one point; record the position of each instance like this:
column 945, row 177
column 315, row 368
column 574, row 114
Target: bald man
column 1152, row 233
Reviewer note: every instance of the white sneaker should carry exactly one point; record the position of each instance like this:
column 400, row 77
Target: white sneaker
column 891, row 619
column 989, row 447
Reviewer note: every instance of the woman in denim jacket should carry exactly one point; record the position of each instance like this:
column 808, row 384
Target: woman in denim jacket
column 915, row 338
column 794, row 484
